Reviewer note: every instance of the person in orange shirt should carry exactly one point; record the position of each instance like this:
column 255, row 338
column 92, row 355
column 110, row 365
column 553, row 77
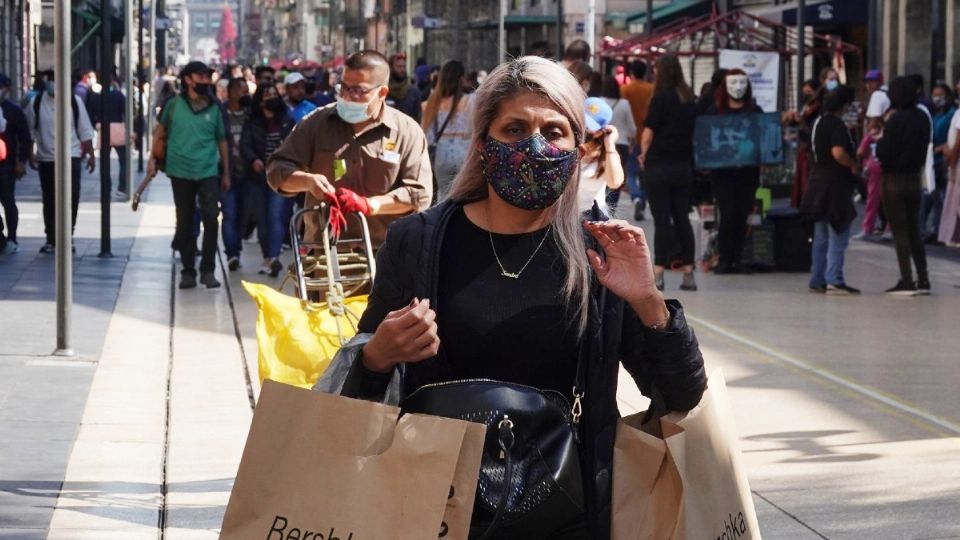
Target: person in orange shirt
column 638, row 93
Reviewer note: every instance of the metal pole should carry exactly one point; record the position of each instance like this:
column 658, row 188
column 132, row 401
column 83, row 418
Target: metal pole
column 238, row 42
column 950, row 40
column 151, row 71
column 649, row 28
column 63, row 179
column 503, row 31
column 106, row 76
column 140, row 95
column 590, row 29
column 873, row 34
column 559, row 29
column 801, row 48
column 128, row 83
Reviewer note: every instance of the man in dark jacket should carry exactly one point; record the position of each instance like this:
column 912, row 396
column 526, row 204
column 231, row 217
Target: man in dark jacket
column 903, row 153
column 403, row 94
column 14, row 167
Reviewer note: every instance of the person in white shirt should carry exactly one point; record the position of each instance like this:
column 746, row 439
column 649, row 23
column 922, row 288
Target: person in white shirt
column 41, row 118
column 879, row 102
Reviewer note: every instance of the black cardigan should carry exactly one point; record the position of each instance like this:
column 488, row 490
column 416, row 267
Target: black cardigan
column 253, row 141
column 408, row 265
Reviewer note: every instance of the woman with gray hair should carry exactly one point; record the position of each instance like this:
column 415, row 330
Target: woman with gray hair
column 504, row 289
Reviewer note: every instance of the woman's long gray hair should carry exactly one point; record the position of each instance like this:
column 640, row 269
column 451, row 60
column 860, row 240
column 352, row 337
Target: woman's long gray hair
column 552, row 81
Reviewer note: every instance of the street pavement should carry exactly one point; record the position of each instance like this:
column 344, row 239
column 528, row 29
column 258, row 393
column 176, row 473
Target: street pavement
column 845, row 406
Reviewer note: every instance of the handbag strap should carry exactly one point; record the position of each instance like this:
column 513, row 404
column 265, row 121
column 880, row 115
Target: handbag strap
column 443, row 127
column 506, row 440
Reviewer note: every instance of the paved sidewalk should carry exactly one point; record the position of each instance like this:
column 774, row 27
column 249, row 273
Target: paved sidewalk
column 41, row 397
column 845, row 406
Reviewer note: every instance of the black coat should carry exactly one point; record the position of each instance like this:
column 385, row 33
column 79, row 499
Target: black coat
column 17, row 135
column 253, row 142
column 408, row 265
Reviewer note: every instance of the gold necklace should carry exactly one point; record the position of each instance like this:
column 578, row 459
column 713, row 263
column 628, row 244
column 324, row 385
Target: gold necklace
column 516, row 275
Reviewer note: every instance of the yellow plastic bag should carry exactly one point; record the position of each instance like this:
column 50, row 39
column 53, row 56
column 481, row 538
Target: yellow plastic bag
column 296, row 346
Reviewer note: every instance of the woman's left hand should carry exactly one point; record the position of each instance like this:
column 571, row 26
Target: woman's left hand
column 627, row 269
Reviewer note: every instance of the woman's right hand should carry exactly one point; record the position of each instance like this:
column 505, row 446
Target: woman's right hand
column 258, row 166
column 407, row 335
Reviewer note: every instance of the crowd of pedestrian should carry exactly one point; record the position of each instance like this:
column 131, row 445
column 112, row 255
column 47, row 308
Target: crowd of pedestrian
column 241, row 146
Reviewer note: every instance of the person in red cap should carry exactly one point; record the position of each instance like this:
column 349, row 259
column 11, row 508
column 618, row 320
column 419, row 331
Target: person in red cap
column 404, row 95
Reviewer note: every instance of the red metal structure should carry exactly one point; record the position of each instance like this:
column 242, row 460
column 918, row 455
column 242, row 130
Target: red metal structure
column 739, row 30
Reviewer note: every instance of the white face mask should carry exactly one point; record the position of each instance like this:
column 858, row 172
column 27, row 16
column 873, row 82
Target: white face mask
column 737, row 86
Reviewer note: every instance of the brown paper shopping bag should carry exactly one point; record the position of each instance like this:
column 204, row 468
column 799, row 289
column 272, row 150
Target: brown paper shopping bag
column 324, row 466
column 700, row 462
column 647, row 491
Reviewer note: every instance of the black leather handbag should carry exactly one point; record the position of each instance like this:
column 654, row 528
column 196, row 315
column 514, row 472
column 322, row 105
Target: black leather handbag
column 530, row 478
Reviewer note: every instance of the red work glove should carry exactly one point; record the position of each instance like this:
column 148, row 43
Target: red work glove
column 351, row 202
column 337, row 221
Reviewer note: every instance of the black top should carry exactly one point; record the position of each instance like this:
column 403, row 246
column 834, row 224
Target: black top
column 672, row 123
column 17, row 135
column 903, row 148
column 829, row 193
column 496, row 327
column 829, row 131
column 408, row 266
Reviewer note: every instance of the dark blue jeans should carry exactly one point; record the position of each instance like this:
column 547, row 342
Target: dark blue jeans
column 233, row 204
column 122, row 173
column 631, row 169
column 8, row 199
column 271, row 225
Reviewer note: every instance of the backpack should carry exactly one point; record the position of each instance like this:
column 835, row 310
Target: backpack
column 73, row 105
column 159, row 149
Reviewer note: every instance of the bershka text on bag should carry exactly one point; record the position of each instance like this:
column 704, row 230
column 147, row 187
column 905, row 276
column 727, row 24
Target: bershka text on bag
column 294, row 533
column 733, row 527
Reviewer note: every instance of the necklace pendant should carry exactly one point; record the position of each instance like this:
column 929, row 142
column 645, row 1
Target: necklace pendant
column 510, row 275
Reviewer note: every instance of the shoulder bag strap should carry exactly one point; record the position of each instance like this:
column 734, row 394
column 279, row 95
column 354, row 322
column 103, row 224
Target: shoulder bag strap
column 446, row 121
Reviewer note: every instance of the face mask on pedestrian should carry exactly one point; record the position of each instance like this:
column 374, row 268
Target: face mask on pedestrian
column 202, row 89
column 832, row 84
column 50, row 88
column 737, row 86
column 530, row 174
column 275, row 105
column 939, row 101
column 352, row 112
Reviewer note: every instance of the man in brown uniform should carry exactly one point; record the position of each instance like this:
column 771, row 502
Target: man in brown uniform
column 383, row 151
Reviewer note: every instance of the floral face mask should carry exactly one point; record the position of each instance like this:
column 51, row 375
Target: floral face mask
column 530, row 174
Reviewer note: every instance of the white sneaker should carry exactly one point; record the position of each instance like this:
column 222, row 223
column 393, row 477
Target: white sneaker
column 265, row 267
column 11, row 248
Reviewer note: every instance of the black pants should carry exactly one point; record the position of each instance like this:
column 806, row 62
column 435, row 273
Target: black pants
column 901, row 202
column 668, row 192
column 186, row 195
column 48, row 190
column 735, row 199
column 8, row 199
